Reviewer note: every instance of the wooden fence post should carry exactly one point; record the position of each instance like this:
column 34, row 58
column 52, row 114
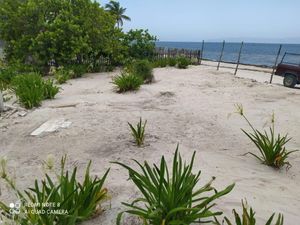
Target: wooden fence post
column 239, row 58
column 201, row 54
column 221, row 55
column 1, row 102
column 275, row 64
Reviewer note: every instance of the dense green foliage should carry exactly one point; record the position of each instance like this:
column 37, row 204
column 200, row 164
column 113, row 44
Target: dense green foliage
column 170, row 196
column 271, row 147
column 138, row 132
column 248, row 218
column 172, row 61
column 183, row 62
column 127, row 82
column 31, row 89
column 143, row 69
column 69, row 201
column 140, row 44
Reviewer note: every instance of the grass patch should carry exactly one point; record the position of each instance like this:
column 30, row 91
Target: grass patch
column 138, row 132
column 171, row 196
column 50, row 89
column 29, row 89
column 271, row 147
column 127, row 82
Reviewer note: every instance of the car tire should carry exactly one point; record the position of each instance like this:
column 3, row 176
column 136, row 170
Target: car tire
column 289, row 80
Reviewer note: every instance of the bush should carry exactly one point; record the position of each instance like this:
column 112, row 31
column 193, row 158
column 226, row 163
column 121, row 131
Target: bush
column 6, row 76
column 138, row 133
column 50, row 90
column 29, row 89
column 127, row 82
column 76, row 70
column 69, row 201
column 271, row 147
column 62, row 74
column 169, row 196
column 143, row 69
column 248, row 218
column 163, row 62
column 172, row 61
column 183, row 62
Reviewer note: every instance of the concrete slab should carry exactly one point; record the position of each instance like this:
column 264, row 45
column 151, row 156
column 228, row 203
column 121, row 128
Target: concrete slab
column 51, row 126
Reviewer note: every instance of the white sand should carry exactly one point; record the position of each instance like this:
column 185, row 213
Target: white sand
column 189, row 107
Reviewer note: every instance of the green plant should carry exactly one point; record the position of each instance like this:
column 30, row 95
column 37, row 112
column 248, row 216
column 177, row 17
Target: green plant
column 127, row 82
column 172, row 61
column 139, row 132
column 76, row 70
column 161, row 62
column 63, row 74
column 183, row 62
column 66, row 201
column 29, row 88
column 143, row 69
column 248, row 218
column 271, row 147
column 171, row 198
column 50, row 90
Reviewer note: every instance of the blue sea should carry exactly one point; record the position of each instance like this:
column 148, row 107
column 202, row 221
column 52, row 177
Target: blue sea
column 252, row 53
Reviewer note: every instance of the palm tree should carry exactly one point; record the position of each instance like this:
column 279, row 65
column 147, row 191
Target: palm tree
column 114, row 8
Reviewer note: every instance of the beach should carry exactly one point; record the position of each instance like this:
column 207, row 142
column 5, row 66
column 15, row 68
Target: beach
column 193, row 108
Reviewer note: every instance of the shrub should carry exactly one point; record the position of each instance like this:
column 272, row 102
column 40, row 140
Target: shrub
column 127, row 82
column 172, row 61
column 183, row 62
column 139, row 132
column 29, row 89
column 271, row 147
column 62, row 74
column 6, row 76
column 248, row 218
column 169, row 197
column 162, row 62
column 143, row 69
column 69, row 201
column 76, row 70
column 50, row 90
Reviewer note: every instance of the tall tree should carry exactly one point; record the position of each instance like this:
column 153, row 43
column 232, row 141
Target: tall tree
column 115, row 9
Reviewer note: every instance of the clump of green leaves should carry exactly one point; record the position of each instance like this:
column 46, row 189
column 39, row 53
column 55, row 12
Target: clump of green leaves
column 171, row 197
column 248, row 218
column 62, row 74
column 50, row 89
column 143, row 69
column 161, row 62
column 29, row 89
column 172, row 61
column 127, row 82
column 138, row 132
column 64, row 200
column 76, row 70
column 271, row 147
column 183, row 62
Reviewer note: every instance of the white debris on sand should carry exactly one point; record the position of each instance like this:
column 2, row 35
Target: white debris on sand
column 51, row 126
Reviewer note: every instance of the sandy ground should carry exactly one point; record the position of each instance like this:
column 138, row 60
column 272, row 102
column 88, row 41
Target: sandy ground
column 189, row 107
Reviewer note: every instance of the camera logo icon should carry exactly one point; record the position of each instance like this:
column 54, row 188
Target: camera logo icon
column 15, row 208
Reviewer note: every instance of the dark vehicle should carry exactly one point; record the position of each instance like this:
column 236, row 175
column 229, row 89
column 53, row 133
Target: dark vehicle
column 289, row 68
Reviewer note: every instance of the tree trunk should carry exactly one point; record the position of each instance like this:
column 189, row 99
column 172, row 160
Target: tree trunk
column 1, row 102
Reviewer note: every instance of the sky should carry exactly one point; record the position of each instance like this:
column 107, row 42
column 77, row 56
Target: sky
column 267, row 21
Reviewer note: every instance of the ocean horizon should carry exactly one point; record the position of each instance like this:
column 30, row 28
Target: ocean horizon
column 259, row 54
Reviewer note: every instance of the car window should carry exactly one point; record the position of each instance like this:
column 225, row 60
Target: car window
column 293, row 59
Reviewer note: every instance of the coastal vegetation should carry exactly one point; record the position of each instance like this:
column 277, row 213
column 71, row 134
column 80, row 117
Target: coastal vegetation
column 64, row 200
column 138, row 132
column 171, row 195
column 127, row 82
column 271, row 147
column 248, row 218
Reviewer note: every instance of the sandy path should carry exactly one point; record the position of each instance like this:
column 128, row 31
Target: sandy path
column 189, row 107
